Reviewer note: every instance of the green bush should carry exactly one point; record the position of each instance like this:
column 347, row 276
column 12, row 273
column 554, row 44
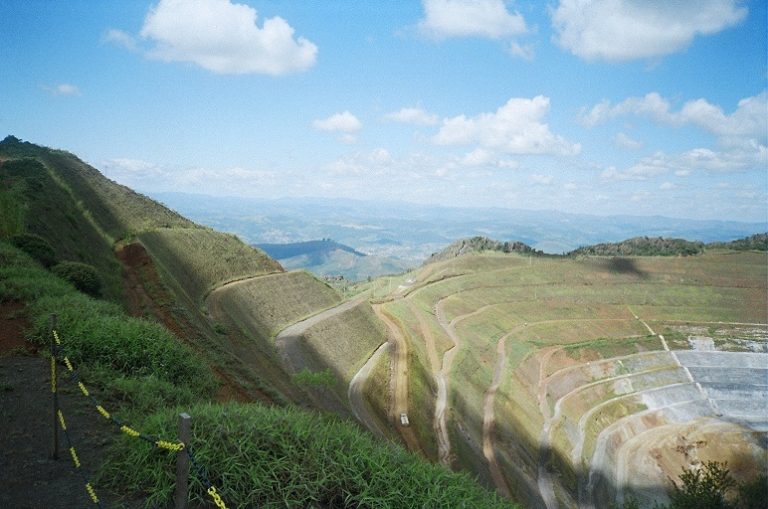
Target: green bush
column 307, row 378
column 36, row 247
column 11, row 215
column 270, row 457
column 703, row 488
column 83, row 276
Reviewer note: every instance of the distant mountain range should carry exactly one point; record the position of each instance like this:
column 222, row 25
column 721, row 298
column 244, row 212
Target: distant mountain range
column 414, row 232
column 331, row 259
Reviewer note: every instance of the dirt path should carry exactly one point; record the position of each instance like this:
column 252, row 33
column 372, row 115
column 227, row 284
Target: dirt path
column 544, row 480
column 489, row 419
column 399, row 381
column 441, row 404
column 356, row 392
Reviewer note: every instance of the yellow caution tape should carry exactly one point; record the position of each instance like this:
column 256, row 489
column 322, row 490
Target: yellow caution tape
column 56, row 337
column 91, row 493
column 171, row 446
column 216, row 498
column 83, row 389
column 75, row 460
column 103, row 411
column 69, row 364
column 129, row 431
column 61, row 420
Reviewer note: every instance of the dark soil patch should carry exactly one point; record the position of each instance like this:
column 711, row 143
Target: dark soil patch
column 13, row 323
column 29, row 477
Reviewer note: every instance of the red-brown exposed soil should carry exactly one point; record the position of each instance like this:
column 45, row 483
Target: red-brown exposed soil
column 146, row 296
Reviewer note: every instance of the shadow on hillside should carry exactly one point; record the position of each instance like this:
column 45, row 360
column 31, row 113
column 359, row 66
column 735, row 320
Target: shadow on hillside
column 619, row 265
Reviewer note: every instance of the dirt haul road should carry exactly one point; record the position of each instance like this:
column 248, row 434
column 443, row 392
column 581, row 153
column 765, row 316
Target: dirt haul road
column 399, row 386
column 356, row 392
column 489, row 419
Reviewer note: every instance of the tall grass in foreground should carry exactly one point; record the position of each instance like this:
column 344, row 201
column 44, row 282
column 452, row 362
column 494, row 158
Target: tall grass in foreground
column 269, row 457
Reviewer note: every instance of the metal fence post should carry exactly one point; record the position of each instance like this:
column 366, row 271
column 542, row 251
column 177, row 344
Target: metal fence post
column 54, row 391
column 182, row 463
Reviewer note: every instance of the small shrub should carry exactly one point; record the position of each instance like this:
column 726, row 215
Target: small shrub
column 36, row 247
column 703, row 488
column 307, row 378
column 83, row 276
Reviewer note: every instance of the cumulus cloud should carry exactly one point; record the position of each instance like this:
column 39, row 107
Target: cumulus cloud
column 62, row 89
column 617, row 30
column 224, row 38
column 121, row 38
column 749, row 119
column 140, row 174
column 742, row 135
column 465, row 18
column 541, row 180
column 515, row 128
column 624, row 141
column 414, row 115
column 524, row 51
column 345, row 123
column 691, row 161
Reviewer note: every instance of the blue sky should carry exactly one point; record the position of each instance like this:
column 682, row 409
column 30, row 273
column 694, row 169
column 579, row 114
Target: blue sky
column 601, row 107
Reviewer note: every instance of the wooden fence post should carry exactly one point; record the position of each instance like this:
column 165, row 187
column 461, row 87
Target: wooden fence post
column 54, row 390
column 182, row 463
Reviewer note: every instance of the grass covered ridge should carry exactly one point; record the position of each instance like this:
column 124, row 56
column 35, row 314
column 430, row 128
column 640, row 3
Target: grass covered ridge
column 268, row 457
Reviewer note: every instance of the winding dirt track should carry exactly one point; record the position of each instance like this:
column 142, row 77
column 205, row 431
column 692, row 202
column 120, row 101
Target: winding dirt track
column 399, row 382
column 356, row 392
column 441, row 377
column 489, row 419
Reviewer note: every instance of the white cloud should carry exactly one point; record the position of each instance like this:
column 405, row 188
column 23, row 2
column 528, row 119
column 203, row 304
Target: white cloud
column 541, row 180
column 344, row 123
column 749, row 119
column 691, row 161
column 524, row 51
column 464, row 18
column 478, row 157
column 62, row 89
column 624, row 141
column 617, row 30
column 666, row 186
column 415, row 115
column 223, row 37
column 515, row 128
column 141, row 174
column 381, row 156
column 121, row 38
